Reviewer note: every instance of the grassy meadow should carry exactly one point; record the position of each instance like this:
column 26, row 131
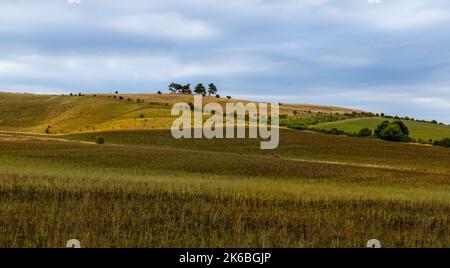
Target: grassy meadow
column 145, row 189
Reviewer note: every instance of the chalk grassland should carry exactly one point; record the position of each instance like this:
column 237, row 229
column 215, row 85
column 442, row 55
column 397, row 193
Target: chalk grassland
column 74, row 114
column 145, row 189
column 419, row 130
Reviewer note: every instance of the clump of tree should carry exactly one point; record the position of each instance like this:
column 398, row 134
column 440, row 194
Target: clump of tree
column 393, row 131
column 175, row 88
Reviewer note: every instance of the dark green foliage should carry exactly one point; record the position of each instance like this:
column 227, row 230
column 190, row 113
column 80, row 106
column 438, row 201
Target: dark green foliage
column 365, row 132
column 212, row 89
column 200, row 89
column 444, row 142
column 175, row 88
column 393, row 131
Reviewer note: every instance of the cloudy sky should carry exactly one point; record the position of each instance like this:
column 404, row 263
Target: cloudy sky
column 389, row 56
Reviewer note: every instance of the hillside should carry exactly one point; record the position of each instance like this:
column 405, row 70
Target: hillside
column 73, row 114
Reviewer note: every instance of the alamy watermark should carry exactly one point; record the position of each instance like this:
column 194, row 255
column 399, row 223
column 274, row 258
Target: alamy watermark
column 260, row 120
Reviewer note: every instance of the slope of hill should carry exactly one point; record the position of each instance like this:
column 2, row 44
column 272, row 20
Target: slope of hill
column 70, row 114
column 418, row 130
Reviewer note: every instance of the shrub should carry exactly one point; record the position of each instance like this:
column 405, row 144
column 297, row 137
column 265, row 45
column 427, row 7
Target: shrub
column 365, row 132
column 159, row 92
column 100, row 140
column 395, row 131
column 335, row 131
column 444, row 142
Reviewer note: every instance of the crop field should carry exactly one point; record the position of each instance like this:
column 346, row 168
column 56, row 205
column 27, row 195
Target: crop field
column 145, row 189
column 419, row 130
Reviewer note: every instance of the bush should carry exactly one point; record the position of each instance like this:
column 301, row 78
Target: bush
column 444, row 142
column 365, row 132
column 393, row 131
column 100, row 140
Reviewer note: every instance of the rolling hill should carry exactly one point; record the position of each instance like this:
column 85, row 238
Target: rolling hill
column 143, row 188
column 72, row 114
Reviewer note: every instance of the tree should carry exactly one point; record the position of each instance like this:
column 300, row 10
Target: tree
column 395, row 131
column 159, row 92
column 212, row 89
column 365, row 132
column 200, row 89
column 403, row 127
column 381, row 127
column 175, row 88
column 186, row 89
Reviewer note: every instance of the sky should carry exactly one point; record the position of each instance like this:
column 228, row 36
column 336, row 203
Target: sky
column 390, row 56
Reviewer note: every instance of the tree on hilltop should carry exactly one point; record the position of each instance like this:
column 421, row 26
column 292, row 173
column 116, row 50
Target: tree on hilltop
column 212, row 89
column 200, row 89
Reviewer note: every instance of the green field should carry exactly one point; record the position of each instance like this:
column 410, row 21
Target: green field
column 418, row 130
column 145, row 189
